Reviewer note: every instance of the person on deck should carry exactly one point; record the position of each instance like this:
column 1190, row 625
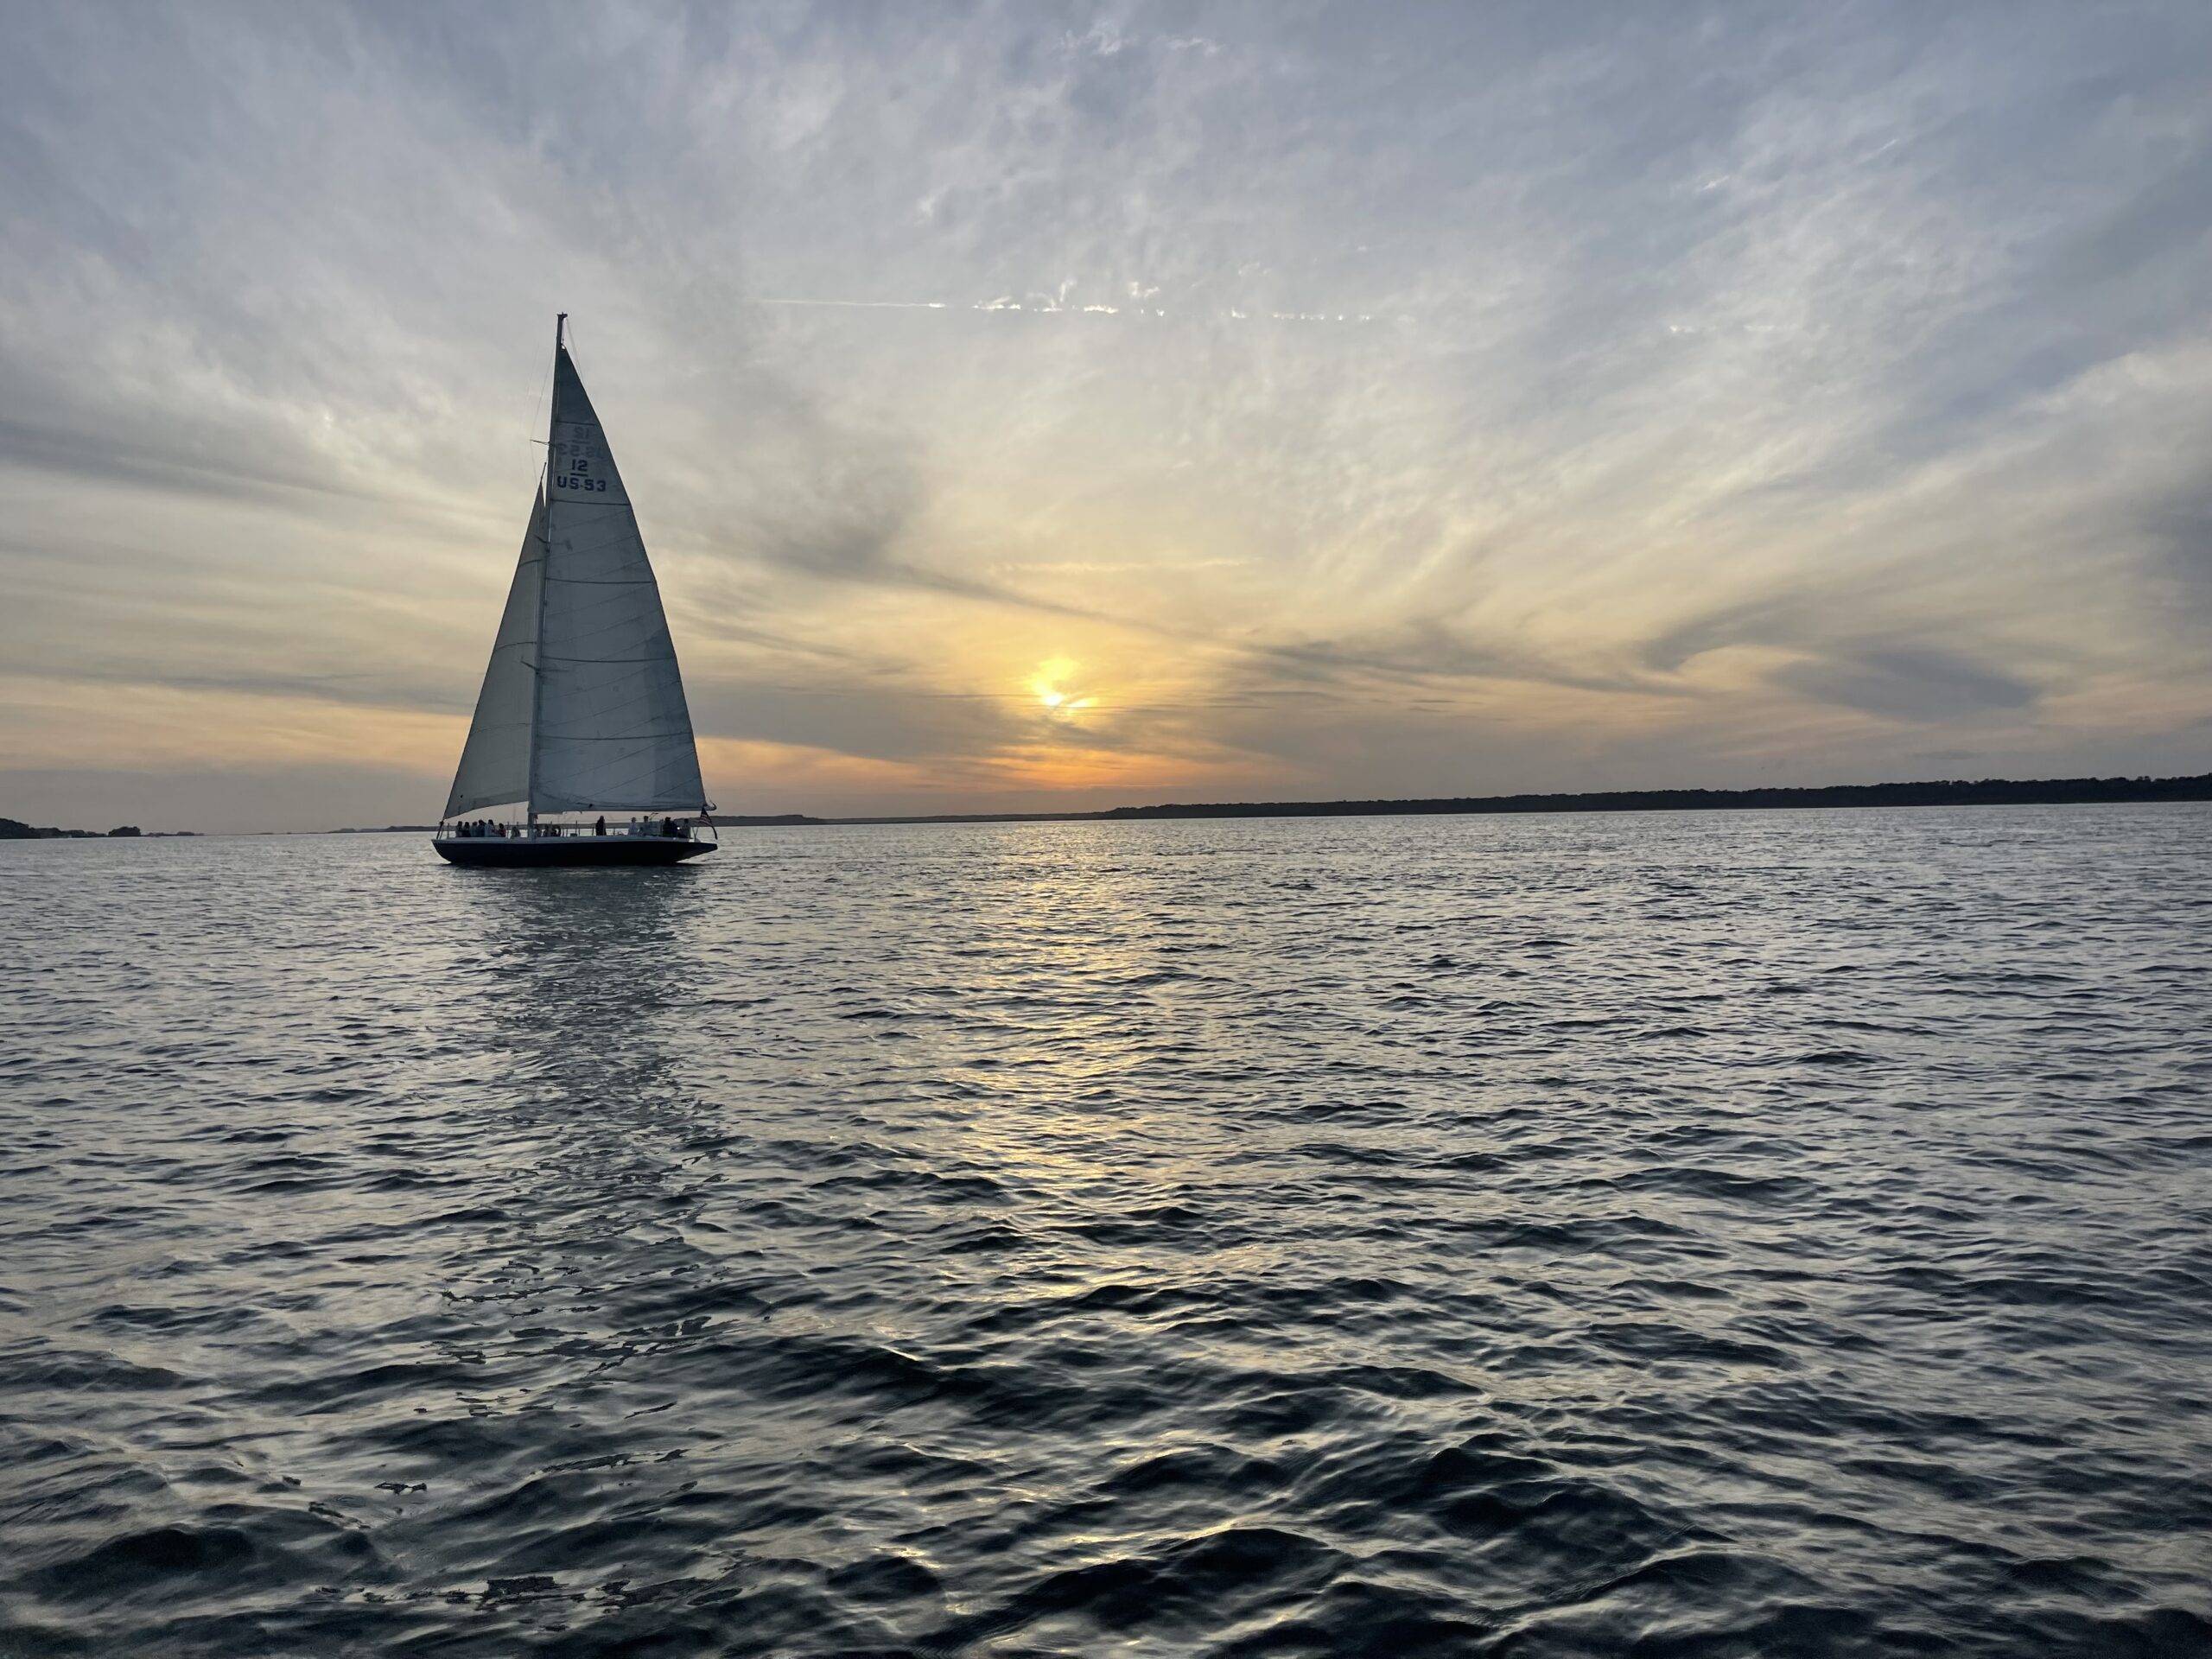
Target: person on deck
column 599, row 829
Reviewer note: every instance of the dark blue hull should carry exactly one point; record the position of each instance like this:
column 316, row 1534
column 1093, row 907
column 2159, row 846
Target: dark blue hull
column 538, row 852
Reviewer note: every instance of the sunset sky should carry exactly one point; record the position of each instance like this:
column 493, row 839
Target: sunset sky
column 1032, row 407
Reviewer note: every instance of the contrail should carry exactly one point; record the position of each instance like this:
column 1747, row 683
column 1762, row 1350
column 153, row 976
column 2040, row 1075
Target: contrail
column 1044, row 306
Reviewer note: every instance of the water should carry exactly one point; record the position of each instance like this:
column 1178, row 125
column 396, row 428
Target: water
column 1759, row 1234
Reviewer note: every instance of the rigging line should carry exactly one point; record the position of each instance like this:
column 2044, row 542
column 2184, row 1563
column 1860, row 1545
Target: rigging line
column 543, row 399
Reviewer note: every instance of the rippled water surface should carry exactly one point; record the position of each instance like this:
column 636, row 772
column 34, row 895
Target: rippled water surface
column 1761, row 1234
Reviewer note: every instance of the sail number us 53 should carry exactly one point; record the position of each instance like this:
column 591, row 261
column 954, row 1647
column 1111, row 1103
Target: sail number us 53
column 578, row 477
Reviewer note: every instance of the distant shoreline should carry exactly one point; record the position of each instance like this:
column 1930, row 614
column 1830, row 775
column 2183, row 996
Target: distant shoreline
column 1988, row 791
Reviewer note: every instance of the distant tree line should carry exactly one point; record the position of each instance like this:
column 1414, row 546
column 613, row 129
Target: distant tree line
column 1988, row 791
column 17, row 830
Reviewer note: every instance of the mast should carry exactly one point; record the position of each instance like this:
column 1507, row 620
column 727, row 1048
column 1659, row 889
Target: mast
column 545, row 558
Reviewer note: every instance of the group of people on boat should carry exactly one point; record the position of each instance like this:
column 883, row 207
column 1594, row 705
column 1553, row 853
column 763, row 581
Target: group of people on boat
column 475, row 829
column 668, row 827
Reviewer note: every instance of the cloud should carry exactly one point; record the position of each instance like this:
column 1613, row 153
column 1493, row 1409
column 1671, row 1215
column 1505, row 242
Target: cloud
column 1714, row 395
column 1923, row 685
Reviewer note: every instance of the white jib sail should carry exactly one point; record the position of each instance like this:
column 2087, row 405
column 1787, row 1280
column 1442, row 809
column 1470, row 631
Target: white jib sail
column 494, row 767
column 613, row 732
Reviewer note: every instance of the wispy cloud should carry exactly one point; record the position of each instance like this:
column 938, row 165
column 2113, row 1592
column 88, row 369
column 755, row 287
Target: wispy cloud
column 1385, row 402
column 1045, row 305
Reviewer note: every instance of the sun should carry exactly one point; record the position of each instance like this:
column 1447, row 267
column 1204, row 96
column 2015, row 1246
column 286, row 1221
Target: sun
column 1057, row 702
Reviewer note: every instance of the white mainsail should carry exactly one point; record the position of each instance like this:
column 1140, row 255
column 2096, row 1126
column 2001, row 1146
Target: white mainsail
column 600, row 724
column 613, row 733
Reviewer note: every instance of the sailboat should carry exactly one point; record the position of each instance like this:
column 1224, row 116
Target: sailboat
column 581, row 716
